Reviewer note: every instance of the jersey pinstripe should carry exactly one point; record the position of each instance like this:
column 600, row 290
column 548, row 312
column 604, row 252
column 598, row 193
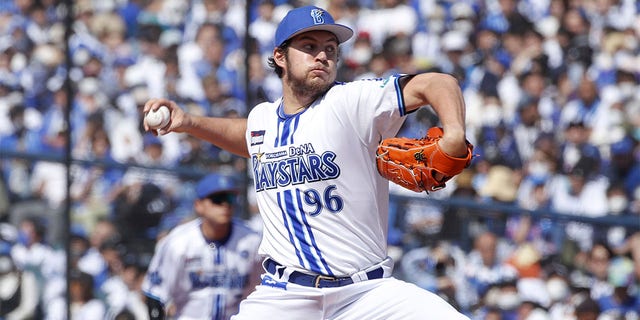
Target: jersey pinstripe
column 205, row 280
column 312, row 219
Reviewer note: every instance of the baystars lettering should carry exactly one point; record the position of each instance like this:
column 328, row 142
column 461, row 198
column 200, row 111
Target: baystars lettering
column 302, row 165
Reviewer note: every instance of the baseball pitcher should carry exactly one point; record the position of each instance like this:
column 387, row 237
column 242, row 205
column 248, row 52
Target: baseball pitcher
column 321, row 165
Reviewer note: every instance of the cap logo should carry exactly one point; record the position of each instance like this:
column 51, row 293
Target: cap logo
column 317, row 16
column 297, row 21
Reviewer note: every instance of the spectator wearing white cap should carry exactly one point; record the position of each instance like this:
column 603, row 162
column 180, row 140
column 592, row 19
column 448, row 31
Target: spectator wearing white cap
column 463, row 17
column 454, row 44
column 376, row 22
column 548, row 27
column 426, row 40
column 534, row 299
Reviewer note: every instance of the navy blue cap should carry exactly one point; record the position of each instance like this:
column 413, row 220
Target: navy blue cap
column 624, row 146
column 215, row 183
column 309, row 18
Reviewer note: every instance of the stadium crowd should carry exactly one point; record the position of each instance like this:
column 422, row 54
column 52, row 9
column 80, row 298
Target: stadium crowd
column 553, row 109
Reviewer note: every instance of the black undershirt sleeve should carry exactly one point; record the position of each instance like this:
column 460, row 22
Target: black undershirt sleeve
column 155, row 309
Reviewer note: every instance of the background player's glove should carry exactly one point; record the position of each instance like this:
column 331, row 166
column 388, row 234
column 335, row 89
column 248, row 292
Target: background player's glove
column 413, row 163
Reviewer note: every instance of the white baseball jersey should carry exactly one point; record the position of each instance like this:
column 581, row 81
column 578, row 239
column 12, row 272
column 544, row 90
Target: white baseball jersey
column 323, row 203
column 203, row 279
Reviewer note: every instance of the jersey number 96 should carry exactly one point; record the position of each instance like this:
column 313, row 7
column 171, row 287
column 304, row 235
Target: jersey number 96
column 328, row 200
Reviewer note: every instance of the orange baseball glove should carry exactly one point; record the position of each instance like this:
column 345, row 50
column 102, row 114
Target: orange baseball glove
column 413, row 163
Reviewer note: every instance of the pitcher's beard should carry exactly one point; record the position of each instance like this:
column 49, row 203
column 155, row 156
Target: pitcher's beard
column 306, row 87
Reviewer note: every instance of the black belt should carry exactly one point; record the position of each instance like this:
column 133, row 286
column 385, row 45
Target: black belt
column 319, row 281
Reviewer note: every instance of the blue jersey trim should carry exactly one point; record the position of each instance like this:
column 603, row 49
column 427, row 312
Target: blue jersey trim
column 219, row 256
column 399, row 97
column 284, row 133
column 218, row 306
column 286, row 128
column 284, row 116
column 299, row 230
column 307, row 251
column 313, row 241
column 217, row 243
column 285, row 218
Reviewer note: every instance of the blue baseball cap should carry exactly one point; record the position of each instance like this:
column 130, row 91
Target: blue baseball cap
column 622, row 147
column 309, row 18
column 215, row 183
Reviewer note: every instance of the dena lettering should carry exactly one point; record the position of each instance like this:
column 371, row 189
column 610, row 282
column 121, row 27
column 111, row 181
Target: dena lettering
column 301, row 150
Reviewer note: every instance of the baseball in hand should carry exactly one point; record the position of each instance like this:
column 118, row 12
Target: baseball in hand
column 159, row 118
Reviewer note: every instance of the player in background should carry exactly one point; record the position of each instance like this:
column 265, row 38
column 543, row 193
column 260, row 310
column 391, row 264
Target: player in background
column 203, row 268
column 323, row 203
